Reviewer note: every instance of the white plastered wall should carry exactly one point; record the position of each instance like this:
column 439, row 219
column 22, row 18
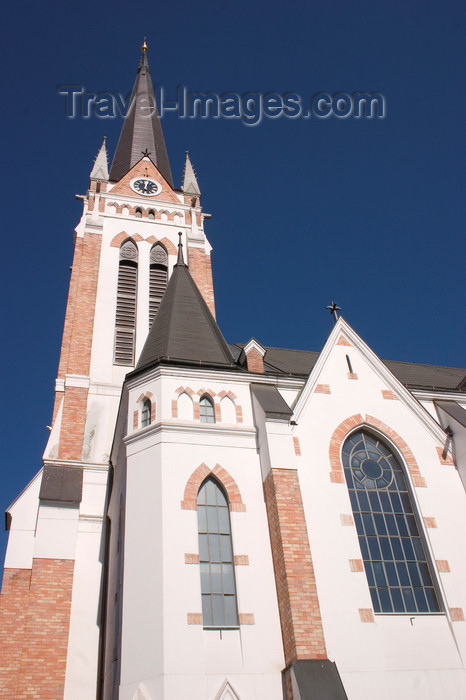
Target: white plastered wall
column 398, row 657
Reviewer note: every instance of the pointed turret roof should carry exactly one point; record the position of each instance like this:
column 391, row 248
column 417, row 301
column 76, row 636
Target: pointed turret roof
column 142, row 131
column 190, row 184
column 184, row 330
column 100, row 169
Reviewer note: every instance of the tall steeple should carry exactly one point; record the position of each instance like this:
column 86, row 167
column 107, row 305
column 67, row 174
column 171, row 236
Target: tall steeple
column 142, row 131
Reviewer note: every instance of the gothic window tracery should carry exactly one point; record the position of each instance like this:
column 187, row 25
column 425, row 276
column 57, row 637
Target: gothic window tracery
column 396, row 560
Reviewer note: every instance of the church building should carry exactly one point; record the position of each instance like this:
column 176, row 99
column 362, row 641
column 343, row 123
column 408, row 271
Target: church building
column 218, row 521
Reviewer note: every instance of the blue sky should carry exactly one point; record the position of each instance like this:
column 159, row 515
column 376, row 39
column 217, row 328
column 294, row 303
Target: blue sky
column 367, row 212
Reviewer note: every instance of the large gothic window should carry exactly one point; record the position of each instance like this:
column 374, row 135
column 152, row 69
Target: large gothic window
column 216, row 557
column 158, row 278
column 125, row 321
column 395, row 557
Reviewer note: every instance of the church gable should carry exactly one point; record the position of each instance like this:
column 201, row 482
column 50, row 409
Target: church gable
column 348, row 378
column 145, row 168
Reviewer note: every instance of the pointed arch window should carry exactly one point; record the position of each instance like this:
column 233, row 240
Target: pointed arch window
column 146, row 413
column 158, row 277
column 125, row 321
column 216, row 557
column 206, row 410
column 396, row 561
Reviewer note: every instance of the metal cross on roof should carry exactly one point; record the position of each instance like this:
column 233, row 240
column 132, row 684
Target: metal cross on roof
column 146, row 152
column 334, row 309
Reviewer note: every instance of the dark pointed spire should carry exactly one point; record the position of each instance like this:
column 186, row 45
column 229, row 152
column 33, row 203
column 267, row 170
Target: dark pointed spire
column 180, row 260
column 142, row 131
column 184, row 331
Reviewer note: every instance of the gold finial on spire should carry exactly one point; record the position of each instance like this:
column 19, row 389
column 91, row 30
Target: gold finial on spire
column 144, row 46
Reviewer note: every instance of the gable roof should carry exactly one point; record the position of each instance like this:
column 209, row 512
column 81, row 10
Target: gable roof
column 413, row 376
column 184, row 330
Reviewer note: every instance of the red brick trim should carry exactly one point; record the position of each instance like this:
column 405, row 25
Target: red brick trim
column 193, row 485
column 443, row 566
column 388, row 394
column 35, row 610
column 73, row 423
column 366, row 615
column 352, row 375
column 341, row 432
column 322, row 389
column 346, row 519
column 342, row 341
column 135, row 420
column 298, row 603
column 241, row 560
column 297, row 446
column 356, row 565
column 194, row 618
column 255, row 362
column 430, row 522
column 201, row 271
column 191, row 558
column 457, row 614
column 118, row 239
column 447, row 460
column 246, row 619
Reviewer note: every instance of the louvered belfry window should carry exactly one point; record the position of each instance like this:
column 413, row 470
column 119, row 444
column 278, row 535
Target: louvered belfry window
column 125, row 322
column 158, row 278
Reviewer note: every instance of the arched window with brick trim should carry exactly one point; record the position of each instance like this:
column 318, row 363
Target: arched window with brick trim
column 206, row 409
column 216, row 560
column 396, row 560
column 146, row 408
column 125, row 321
column 158, row 277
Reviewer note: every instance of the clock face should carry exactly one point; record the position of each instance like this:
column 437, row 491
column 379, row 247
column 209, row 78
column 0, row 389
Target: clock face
column 144, row 185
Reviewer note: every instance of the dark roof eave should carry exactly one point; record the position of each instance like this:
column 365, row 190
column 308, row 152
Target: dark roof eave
column 176, row 362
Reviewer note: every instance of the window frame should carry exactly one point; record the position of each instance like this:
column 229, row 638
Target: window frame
column 208, row 559
column 205, row 400
column 146, row 410
column 418, row 523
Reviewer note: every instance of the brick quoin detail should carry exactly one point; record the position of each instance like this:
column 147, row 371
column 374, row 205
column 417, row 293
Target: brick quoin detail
column 300, row 618
column 246, row 619
column 443, row 566
column 241, row 560
column 444, row 459
column 388, row 394
column 70, row 308
column 37, row 604
column 429, row 521
column 355, row 565
column 341, row 432
column 255, row 362
column 352, row 375
column 322, row 389
column 201, row 271
column 14, row 601
column 73, row 423
column 297, row 446
column 194, row 618
column 457, row 614
column 191, row 558
column 135, row 420
column 366, row 615
column 346, row 519
column 79, row 358
column 189, row 501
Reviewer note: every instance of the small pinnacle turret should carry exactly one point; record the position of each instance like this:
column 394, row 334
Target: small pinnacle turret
column 100, row 168
column 190, row 184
